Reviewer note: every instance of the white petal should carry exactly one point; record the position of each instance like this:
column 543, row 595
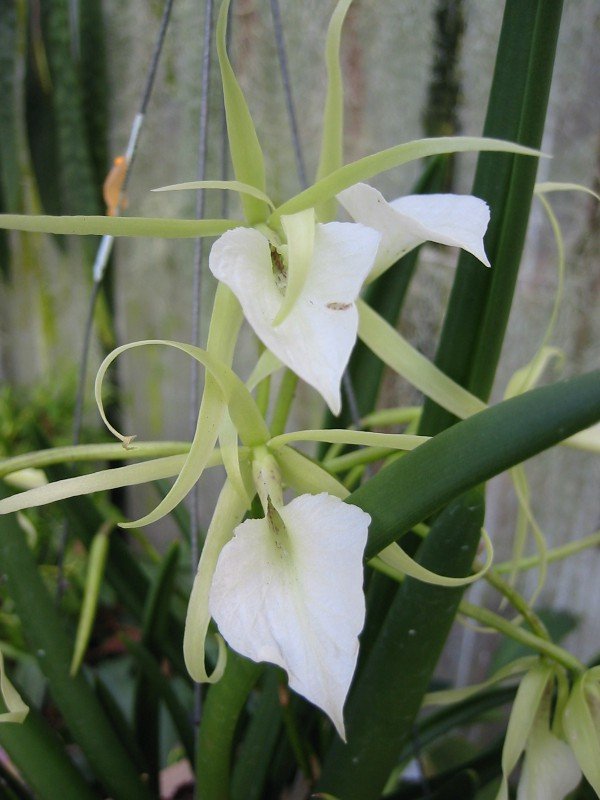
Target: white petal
column 405, row 223
column 296, row 600
column 316, row 338
column 550, row 771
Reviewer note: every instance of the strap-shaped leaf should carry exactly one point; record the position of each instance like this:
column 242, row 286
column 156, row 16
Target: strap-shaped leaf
column 246, row 152
column 461, row 457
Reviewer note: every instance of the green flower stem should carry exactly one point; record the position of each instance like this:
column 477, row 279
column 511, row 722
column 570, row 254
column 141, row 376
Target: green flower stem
column 542, row 646
column 555, row 554
column 225, row 702
column 519, row 603
column 290, row 723
column 285, row 398
column 354, row 458
column 386, row 417
column 91, row 452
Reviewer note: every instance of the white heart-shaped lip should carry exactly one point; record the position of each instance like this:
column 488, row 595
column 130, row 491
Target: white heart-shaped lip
column 316, row 337
column 405, row 223
column 294, row 596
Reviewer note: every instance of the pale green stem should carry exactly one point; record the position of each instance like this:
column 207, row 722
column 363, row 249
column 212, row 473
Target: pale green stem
column 262, row 395
column 546, row 648
column 287, row 391
column 387, row 417
column 355, row 458
column 510, row 593
column 353, row 478
column 519, row 603
column 555, row 554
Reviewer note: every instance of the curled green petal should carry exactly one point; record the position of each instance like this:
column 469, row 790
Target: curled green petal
column 230, row 452
column 398, row 354
column 372, row 165
column 119, row 226
column 395, row 441
column 228, row 513
column 104, row 480
column 246, row 153
column 545, row 187
column 450, row 696
column 394, row 557
column 332, row 142
column 582, row 729
column 231, row 186
column 306, row 476
column 528, row 699
column 225, row 389
column 300, row 234
column 16, row 710
column 267, row 364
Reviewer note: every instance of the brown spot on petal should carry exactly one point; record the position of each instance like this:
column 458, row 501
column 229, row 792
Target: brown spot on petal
column 339, row 306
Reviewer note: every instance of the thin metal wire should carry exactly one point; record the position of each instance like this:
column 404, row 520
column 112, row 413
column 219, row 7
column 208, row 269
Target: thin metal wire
column 300, row 165
column 287, row 87
column 197, row 305
column 101, row 261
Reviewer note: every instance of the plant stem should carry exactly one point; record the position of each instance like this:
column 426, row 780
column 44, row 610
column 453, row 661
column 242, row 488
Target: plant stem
column 285, row 398
column 531, row 640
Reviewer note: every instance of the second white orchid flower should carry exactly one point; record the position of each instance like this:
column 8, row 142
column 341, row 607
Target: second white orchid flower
column 288, row 589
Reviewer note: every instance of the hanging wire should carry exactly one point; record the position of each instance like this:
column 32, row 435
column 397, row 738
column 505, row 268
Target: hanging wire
column 300, row 166
column 102, row 257
column 106, row 243
column 287, row 88
column 197, row 304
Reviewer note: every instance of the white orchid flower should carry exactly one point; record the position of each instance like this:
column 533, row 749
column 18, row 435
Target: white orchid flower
column 550, row 770
column 405, row 223
column 317, row 331
column 288, row 589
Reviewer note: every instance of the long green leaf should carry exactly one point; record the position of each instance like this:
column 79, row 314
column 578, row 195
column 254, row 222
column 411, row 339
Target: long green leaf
column 490, row 335
column 380, row 711
column 80, row 191
column 119, row 226
column 42, row 759
column 461, row 457
column 73, row 696
column 147, row 700
column 520, row 37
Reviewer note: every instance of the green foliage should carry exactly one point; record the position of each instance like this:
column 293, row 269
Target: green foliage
column 108, row 728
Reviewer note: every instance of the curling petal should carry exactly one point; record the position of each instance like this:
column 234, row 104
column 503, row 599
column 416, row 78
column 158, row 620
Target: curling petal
column 405, row 223
column 291, row 593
